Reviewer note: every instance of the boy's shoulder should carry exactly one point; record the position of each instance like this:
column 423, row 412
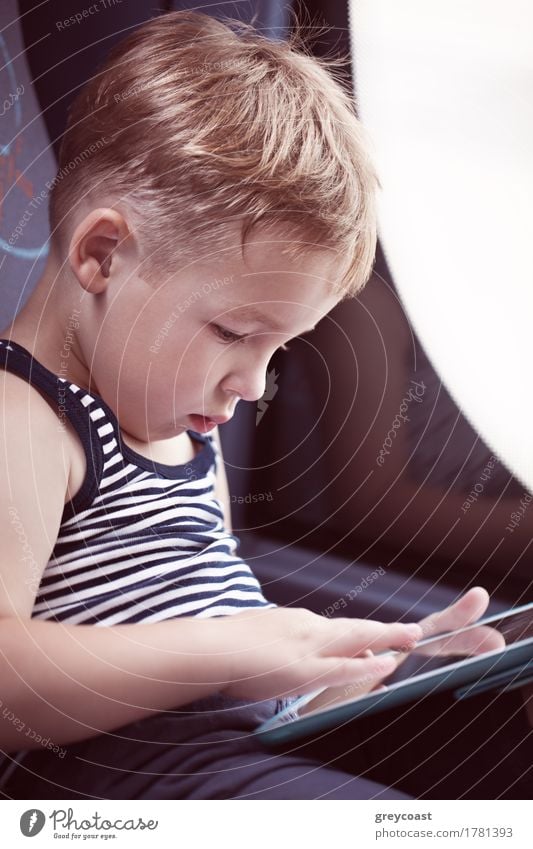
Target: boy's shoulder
column 29, row 421
column 23, row 404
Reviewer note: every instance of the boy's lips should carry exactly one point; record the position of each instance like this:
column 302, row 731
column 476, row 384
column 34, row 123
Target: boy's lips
column 205, row 423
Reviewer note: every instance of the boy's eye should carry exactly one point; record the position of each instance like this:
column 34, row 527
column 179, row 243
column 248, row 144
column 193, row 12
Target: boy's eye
column 227, row 335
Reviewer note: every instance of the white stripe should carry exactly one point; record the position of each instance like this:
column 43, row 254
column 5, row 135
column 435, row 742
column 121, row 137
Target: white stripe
column 189, row 608
column 127, row 469
column 226, row 610
column 103, row 549
column 82, row 516
column 142, row 482
column 106, row 533
column 160, row 569
column 184, row 510
column 105, row 429
column 185, row 607
column 166, row 499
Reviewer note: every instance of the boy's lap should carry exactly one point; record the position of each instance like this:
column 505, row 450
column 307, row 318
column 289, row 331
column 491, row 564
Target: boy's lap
column 207, row 754
column 206, row 750
column 223, row 765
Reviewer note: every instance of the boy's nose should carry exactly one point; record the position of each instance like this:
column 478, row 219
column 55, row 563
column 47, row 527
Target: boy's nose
column 250, row 386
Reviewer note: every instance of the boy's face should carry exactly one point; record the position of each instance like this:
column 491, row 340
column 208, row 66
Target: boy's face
column 162, row 357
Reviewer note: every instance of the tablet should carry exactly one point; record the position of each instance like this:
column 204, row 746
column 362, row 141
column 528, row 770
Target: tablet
column 461, row 661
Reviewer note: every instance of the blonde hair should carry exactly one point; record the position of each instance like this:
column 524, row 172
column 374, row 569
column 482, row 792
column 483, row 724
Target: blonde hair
column 197, row 123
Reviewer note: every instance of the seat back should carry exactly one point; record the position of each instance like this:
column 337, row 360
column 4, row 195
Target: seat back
column 27, row 164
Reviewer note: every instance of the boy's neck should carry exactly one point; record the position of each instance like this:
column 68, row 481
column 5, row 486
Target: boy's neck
column 46, row 323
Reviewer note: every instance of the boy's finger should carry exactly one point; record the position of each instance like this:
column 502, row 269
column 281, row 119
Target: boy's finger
column 347, row 679
column 360, row 636
column 477, row 641
column 465, row 611
column 360, row 674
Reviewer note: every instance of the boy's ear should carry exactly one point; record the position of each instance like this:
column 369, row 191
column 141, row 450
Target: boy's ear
column 93, row 246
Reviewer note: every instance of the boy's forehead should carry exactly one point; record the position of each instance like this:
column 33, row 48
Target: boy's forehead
column 279, row 309
column 263, row 255
column 264, row 287
column 253, row 312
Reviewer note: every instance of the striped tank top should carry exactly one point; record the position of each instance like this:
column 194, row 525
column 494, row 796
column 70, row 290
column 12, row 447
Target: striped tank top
column 141, row 541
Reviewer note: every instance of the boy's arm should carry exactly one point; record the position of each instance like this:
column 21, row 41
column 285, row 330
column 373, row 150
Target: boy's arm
column 222, row 488
column 70, row 682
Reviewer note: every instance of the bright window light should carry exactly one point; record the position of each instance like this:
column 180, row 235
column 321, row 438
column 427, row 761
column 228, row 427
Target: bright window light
column 445, row 91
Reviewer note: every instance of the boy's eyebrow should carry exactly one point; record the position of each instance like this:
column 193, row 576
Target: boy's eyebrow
column 257, row 315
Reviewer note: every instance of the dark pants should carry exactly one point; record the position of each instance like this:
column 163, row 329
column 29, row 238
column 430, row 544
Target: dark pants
column 205, row 750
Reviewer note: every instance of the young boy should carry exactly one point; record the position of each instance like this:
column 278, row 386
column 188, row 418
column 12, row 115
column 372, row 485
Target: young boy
column 213, row 200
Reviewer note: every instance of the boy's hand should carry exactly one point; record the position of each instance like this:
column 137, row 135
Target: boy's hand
column 465, row 611
column 290, row 651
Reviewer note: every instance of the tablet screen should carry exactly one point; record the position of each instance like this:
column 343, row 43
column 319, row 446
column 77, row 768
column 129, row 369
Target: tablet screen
column 435, row 653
